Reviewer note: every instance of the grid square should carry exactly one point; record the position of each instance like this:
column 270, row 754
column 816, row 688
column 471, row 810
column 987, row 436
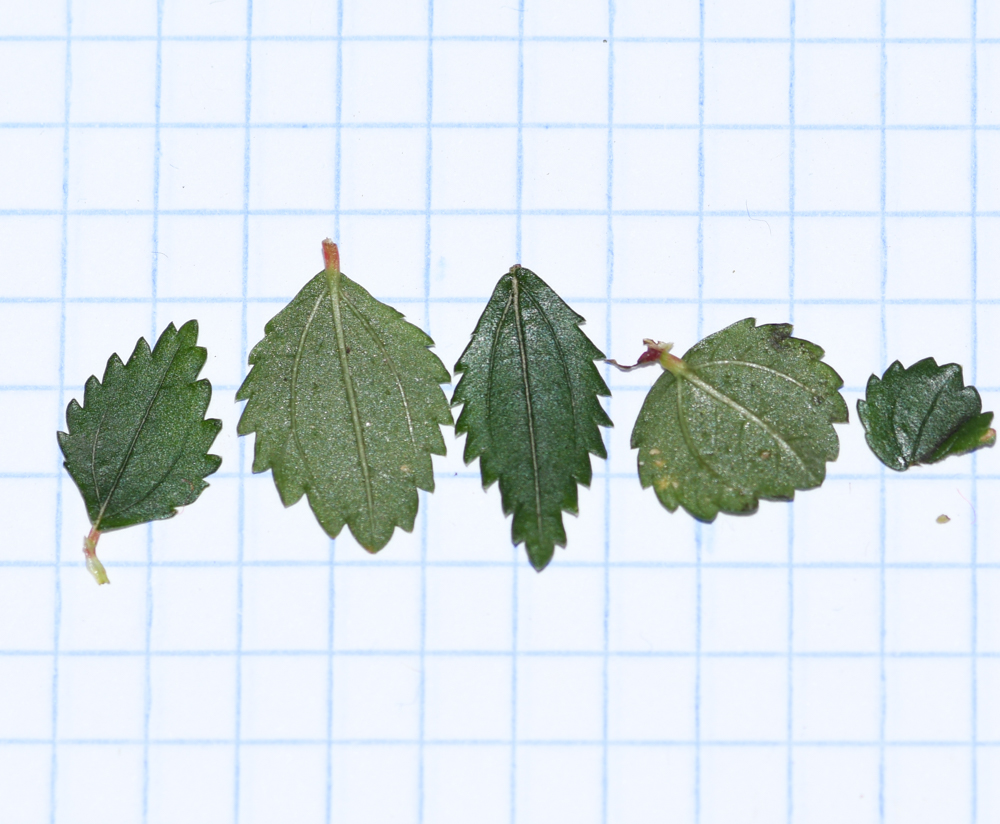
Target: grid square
column 387, row 253
column 475, row 82
column 849, row 18
column 111, row 169
column 225, row 365
column 114, row 82
column 548, row 18
column 204, row 82
column 743, row 785
column 988, row 801
column 928, row 257
column 655, row 257
column 452, row 593
column 651, row 698
column 28, row 339
column 987, row 675
column 931, row 18
column 284, row 697
column 570, row 253
column 467, row 698
column 927, row 610
column 746, row 171
column 739, row 540
column 927, row 84
column 988, row 84
column 652, row 610
column 487, row 18
column 31, row 172
column 670, row 18
column 927, row 699
column 641, row 779
column 87, row 773
column 273, row 532
column 917, row 540
column 476, row 530
column 656, row 170
column 190, row 784
column 396, row 17
column 356, row 797
column 282, row 250
column 746, row 83
column 836, row 785
column 384, row 83
column 279, row 606
column 988, row 167
column 565, row 169
column 474, row 169
column 25, row 782
column 26, row 684
column 850, row 334
column 837, row 171
column 31, row 244
column 559, row 698
column 33, row 91
column 376, row 696
column 463, row 784
column 376, row 609
column 927, row 171
column 746, row 257
column 105, row 18
column 836, row 699
column 200, row 256
column 278, row 778
column 654, row 534
column 907, row 327
column 837, row 84
column 26, row 619
column 46, row 17
column 292, row 169
column 201, row 169
column 381, row 169
column 565, row 82
column 563, row 610
column 194, row 609
column 91, row 619
column 757, row 711
column 192, row 697
column 468, row 252
column 88, row 709
column 926, row 784
column 986, row 371
column 655, row 83
column 17, row 496
column 987, row 611
column 30, row 414
column 836, row 610
column 285, row 18
column 731, row 18
column 109, row 257
column 744, row 610
column 195, row 17
column 558, row 782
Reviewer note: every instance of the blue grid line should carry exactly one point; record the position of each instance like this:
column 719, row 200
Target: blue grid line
column 883, row 346
column 57, row 543
column 974, row 536
column 790, row 538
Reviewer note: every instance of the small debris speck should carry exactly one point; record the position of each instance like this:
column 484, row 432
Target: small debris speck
column 942, row 519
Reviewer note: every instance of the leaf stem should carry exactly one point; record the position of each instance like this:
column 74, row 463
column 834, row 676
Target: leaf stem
column 94, row 566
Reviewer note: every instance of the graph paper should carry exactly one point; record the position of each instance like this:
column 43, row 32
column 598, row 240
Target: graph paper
column 668, row 166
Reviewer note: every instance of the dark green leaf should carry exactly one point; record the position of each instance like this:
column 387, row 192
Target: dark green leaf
column 529, row 388
column 345, row 401
column 746, row 414
column 137, row 448
column 923, row 414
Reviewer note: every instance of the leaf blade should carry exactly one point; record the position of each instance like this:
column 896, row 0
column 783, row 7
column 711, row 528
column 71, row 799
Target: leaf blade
column 923, row 414
column 529, row 392
column 746, row 414
column 344, row 400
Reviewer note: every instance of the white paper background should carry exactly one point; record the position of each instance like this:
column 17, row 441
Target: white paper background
column 669, row 168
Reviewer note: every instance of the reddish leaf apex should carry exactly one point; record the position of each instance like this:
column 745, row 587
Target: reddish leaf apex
column 331, row 256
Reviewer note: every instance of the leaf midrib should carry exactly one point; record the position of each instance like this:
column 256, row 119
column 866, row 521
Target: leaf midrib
column 519, row 324
column 135, row 437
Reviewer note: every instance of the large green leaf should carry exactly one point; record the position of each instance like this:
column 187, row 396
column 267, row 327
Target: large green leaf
column 923, row 414
column 137, row 448
column 345, row 401
column 529, row 388
column 745, row 414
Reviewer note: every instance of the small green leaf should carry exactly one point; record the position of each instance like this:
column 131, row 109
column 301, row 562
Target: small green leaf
column 529, row 388
column 746, row 414
column 137, row 448
column 923, row 414
column 345, row 401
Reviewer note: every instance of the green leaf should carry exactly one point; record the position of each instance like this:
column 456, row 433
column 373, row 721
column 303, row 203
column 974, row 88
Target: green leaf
column 923, row 414
column 137, row 448
column 530, row 387
column 345, row 401
column 746, row 414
